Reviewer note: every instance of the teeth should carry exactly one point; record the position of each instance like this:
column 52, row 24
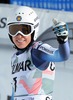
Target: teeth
column 20, row 40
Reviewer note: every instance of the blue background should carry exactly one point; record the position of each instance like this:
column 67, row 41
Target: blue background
column 66, row 5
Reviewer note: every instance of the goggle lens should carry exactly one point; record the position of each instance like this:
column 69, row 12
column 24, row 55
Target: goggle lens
column 25, row 29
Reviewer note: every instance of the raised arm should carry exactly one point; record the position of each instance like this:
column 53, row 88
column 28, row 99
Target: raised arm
column 44, row 52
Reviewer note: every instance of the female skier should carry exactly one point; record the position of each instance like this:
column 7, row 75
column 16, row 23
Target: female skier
column 33, row 68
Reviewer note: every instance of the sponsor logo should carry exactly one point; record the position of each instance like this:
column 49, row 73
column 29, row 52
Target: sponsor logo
column 46, row 50
column 48, row 98
column 36, row 19
column 18, row 18
column 3, row 22
column 52, row 67
column 32, row 98
column 28, row 98
column 36, row 25
column 21, row 66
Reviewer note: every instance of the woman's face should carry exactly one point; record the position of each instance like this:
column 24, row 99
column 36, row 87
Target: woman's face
column 21, row 41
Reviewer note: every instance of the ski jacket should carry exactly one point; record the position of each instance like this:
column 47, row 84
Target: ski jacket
column 33, row 71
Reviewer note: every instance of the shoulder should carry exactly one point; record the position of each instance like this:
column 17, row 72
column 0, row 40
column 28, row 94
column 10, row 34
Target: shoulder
column 40, row 44
column 37, row 44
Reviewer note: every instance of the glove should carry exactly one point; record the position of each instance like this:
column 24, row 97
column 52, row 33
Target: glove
column 61, row 31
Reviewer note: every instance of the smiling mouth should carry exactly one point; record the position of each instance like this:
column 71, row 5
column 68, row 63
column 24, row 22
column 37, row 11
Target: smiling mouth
column 20, row 41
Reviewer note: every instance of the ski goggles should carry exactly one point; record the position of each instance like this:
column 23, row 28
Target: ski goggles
column 24, row 29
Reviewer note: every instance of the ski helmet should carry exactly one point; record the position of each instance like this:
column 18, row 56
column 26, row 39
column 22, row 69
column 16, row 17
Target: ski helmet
column 24, row 15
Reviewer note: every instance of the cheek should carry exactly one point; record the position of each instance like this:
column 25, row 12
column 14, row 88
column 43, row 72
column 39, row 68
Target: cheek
column 14, row 40
column 29, row 39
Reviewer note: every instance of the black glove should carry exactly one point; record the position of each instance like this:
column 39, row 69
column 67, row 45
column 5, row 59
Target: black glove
column 61, row 31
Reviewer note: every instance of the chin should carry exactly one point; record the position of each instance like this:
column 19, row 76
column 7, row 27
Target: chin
column 21, row 47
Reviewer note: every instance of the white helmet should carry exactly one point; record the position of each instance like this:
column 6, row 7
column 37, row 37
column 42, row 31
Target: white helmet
column 23, row 14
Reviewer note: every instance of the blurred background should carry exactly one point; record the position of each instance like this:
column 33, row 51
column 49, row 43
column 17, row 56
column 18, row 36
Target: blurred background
column 46, row 10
